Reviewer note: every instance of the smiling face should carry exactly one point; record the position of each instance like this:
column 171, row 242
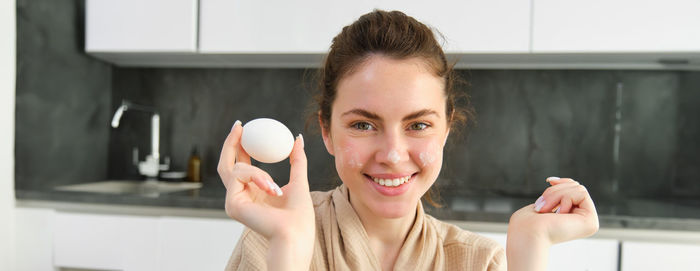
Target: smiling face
column 387, row 132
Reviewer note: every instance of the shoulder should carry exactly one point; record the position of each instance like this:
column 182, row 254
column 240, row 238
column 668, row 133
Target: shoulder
column 468, row 248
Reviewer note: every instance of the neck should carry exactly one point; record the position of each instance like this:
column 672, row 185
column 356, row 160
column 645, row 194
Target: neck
column 384, row 233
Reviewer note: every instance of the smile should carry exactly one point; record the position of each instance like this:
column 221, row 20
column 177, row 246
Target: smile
column 391, row 182
column 391, row 185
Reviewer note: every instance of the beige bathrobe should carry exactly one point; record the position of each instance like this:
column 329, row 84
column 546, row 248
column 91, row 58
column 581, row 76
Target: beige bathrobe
column 342, row 243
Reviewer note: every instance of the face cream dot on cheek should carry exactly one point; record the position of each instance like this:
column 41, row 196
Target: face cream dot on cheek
column 426, row 158
column 354, row 164
column 351, row 158
column 393, row 156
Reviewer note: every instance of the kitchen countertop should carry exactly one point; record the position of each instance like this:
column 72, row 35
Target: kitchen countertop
column 634, row 213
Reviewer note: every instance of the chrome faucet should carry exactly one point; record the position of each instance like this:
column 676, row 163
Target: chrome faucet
column 151, row 166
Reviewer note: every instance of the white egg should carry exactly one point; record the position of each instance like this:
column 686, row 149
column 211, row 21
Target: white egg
column 267, row 140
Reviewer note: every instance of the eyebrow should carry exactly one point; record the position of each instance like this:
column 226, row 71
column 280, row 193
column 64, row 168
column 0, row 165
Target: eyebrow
column 420, row 113
column 363, row 113
column 373, row 116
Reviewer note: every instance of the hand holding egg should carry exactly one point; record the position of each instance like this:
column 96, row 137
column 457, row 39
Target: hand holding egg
column 252, row 196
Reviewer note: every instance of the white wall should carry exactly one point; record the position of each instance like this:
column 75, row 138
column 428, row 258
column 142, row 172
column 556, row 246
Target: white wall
column 7, row 134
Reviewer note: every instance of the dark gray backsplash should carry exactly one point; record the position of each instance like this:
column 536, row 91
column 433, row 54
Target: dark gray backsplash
column 531, row 123
column 63, row 98
column 686, row 161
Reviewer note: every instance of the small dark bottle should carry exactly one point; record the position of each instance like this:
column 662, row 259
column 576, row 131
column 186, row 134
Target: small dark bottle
column 193, row 167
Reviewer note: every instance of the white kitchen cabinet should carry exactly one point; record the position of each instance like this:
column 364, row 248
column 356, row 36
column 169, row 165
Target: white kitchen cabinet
column 626, row 26
column 111, row 242
column 197, row 243
column 643, row 256
column 34, row 239
column 512, row 34
column 126, row 242
column 138, row 26
column 308, row 26
column 47, row 239
column 583, row 254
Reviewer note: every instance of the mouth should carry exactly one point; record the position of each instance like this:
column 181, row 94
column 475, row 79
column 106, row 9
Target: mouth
column 390, row 181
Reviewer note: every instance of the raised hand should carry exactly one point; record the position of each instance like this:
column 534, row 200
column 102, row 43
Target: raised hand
column 564, row 212
column 284, row 216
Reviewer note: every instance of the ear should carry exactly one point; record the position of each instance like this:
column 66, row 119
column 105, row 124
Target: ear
column 326, row 134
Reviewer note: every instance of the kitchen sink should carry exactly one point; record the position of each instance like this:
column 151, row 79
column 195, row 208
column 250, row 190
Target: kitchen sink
column 151, row 188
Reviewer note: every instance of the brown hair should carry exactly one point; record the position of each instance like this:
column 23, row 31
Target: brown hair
column 398, row 36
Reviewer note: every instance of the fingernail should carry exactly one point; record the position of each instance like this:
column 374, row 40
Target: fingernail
column 557, row 211
column 275, row 188
column 302, row 140
column 539, row 200
column 238, row 122
column 552, row 179
column 278, row 190
column 271, row 185
column 539, row 204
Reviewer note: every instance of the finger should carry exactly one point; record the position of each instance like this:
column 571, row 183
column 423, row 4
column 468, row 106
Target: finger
column 550, row 199
column 573, row 197
column 247, row 213
column 242, row 156
column 228, row 152
column 297, row 160
column 557, row 180
column 565, row 205
column 558, row 187
column 568, row 196
column 587, row 211
column 586, row 216
column 586, row 202
column 244, row 174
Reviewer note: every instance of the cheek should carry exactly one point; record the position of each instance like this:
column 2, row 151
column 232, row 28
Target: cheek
column 348, row 156
column 429, row 154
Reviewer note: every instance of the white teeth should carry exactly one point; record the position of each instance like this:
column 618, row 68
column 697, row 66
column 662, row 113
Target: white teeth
column 391, row 182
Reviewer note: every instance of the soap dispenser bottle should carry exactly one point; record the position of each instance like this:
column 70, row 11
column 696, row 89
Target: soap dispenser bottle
column 193, row 167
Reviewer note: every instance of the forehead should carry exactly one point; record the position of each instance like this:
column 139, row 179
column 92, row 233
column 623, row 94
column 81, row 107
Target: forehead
column 390, row 83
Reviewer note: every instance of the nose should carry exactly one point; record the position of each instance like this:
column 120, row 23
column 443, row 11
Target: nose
column 393, row 148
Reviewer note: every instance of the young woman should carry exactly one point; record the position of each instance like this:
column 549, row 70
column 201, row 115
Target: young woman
column 386, row 108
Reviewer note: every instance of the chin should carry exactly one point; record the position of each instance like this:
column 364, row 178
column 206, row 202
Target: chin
column 393, row 209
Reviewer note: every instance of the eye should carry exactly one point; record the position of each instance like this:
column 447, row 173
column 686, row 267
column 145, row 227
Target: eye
column 419, row 126
column 361, row 125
